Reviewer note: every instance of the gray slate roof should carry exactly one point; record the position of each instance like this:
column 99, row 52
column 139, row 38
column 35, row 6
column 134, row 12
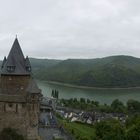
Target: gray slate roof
column 32, row 87
column 3, row 62
column 16, row 60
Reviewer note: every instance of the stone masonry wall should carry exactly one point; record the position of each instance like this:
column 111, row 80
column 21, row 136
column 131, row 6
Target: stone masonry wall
column 13, row 115
column 14, row 84
column 20, row 116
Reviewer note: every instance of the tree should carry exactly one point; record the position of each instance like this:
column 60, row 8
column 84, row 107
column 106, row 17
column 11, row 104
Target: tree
column 133, row 132
column 109, row 130
column 10, row 134
column 135, row 119
column 133, row 106
column 75, row 100
column 96, row 103
column 52, row 93
column 56, row 94
column 82, row 100
column 88, row 101
column 117, row 106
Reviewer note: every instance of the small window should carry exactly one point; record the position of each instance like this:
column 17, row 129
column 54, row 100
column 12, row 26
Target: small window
column 16, row 107
column 23, row 105
column 4, row 107
column 28, row 68
column 10, row 68
column 10, row 78
column 10, row 105
column 21, row 87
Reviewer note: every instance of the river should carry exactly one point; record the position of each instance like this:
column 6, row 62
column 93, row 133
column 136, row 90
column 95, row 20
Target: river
column 101, row 95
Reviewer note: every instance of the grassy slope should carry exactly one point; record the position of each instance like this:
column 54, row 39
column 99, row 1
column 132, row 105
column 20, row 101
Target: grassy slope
column 79, row 130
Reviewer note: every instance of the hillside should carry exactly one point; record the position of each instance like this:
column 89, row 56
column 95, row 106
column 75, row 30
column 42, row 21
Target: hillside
column 113, row 71
column 38, row 64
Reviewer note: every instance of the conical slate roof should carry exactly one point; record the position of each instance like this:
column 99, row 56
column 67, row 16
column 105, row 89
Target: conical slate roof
column 15, row 63
column 32, row 87
column 4, row 61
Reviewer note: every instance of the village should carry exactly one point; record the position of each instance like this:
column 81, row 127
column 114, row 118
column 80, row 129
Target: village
column 90, row 117
column 76, row 115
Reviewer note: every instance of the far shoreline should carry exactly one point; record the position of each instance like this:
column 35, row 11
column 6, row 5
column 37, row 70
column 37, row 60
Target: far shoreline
column 85, row 87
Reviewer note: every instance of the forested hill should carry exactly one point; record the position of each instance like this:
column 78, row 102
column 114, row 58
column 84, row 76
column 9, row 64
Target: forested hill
column 113, row 71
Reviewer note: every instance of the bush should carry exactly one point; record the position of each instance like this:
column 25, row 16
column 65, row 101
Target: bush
column 133, row 132
column 110, row 130
column 10, row 134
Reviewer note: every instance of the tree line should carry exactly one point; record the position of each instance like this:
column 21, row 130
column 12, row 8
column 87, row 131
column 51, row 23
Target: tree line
column 55, row 93
column 132, row 106
column 114, row 130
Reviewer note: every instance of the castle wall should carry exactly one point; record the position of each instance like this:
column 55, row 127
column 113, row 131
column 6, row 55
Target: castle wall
column 14, row 84
column 33, row 113
column 13, row 115
column 21, row 116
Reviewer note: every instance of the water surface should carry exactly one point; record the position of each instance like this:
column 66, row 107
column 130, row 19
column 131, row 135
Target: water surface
column 101, row 95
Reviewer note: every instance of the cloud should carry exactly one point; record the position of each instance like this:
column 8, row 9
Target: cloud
column 71, row 28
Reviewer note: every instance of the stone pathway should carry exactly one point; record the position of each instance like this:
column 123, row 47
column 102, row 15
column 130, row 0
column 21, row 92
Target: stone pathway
column 48, row 127
column 48, row 133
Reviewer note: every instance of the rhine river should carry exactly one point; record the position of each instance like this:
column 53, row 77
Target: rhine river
column 101, row 95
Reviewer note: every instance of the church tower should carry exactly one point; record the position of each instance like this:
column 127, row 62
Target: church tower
column 19, row 94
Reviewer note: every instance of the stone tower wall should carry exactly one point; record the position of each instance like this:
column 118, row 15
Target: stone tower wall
column 14, row 84
column 21, row 116
column 13, row 115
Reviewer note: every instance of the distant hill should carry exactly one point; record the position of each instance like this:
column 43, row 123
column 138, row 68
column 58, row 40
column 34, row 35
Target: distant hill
column 38, row 64
column 113, row 71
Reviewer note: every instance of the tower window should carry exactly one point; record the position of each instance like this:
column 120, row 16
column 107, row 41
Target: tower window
column 28, row 68
column 21, row 87
column 10, row 105
column 16, row 107
column 10, row 68
column 10, row 78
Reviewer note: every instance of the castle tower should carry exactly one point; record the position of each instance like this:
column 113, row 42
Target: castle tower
column 15, row 71
column 19, row 94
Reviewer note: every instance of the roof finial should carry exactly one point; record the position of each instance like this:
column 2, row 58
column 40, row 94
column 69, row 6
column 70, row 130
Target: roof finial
column 16, row 36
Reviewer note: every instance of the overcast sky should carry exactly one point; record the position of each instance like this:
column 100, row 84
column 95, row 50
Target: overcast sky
column 71, row 28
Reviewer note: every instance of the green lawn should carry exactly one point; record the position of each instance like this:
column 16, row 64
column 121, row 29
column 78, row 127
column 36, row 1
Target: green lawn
column 78, row 130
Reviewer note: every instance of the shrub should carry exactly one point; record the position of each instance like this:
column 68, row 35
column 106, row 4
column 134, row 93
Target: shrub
column 10, row 134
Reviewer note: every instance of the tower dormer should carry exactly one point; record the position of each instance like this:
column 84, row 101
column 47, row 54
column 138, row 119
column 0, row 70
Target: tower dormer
column 3, row 62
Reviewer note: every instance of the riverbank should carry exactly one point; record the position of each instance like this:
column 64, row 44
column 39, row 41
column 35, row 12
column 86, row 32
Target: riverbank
column 85, row 87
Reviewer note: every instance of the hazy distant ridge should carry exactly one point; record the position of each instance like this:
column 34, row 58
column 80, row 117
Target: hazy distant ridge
column 113, row 71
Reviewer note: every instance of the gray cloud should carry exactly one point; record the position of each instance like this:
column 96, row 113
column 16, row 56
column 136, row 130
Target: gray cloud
column 71, row 28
